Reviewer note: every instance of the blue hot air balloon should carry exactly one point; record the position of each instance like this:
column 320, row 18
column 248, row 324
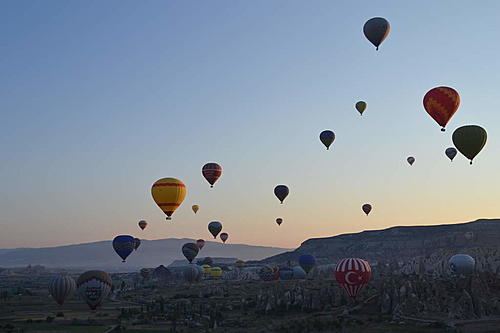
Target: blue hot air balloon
column 124, row 245
column 307, row 262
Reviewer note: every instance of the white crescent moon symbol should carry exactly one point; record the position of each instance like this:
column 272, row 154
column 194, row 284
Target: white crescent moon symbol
column 349, row 281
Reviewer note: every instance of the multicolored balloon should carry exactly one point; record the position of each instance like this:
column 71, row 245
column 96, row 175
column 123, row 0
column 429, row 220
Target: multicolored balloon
column 168, row 193
column 190, row 251
column 281, row 192
column 470, row 140
column 327, row 137
column 376, row 30
column 224, row 236
column 124, row 245
column 268, row 273
column 307, row 262
column 367, row 208
column 215, row 227
column 211, row 172
column 142, row 224
column 279, row 220
column 200, row 243
column 411, row 160
column 451, row 153
column 137, row 243
column 94, row 287
column 353, row 274
column 441, row 103
column 361, row 107
column 61, row 287
column 195, row 208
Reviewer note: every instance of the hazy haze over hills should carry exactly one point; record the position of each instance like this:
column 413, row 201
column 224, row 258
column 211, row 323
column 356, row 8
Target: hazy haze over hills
column 100, row 255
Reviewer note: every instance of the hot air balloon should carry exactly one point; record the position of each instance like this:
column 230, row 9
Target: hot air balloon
column 281, row 192
column 441, row 103
column 224, row 236
column 168, row 193
column 144, row 273
column 469, row 140
column 207, row 261
column 307, row 262
column 451, row 153
column 61, row 287
column 124, row 245
column 94, row 287
column 353, row 275
column 298, row 273
column 411, row 160
column 142, row 224
column 279, row 220
column 327, row 137
column 191, row 274
column 367, row 208
column 211, row 172
column 137, row 243
column 469, row 235
column 200, row 243
column 195, row 208
column 361, row 107
column 214, row 227
column 190, row 251
column 376, row 30
column 268, row 273
column 462, row 264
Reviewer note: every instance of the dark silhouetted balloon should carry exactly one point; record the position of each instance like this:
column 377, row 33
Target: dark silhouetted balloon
column 451, row 153
column 376, row 30
column 142, row 224
column 411, row 160
column 361, row 107
column 279, row 220
column 124, row 245
column 327, row 137
column 211, row 172
column 200, row 243
column 367, row 208
column 94, row 287
column 61, row 287
column 307, row 262
column 137, row 243
column 214, row 227
column 469, row 140
column 281, row 192
column 462, row 264
column 224, row 236
column 190, row 251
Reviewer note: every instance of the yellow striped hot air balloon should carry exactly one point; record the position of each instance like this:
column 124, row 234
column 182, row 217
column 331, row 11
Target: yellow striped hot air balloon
column 168, row 193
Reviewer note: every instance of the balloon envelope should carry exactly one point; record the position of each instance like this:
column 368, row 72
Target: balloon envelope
column 376, row 30
column 281, row 192
column 327, row 137
column 200, row 243
column 279, row 220
column 441, row 103
column 195, row 208
column 214, row 227
column 137, row 243
column 268, row 273
column 462, row 264
column 142, row 224
column 211, row 172
column 367, row 208
column 61, row 287
column 469, row 140
column 451, row 153
column 361, row 107
column 411, row 160
column 307, row 262
column 224, row 236
column 190, row 251
column 124, row 245
column 353, row 275
column 286, row 273
column 298, row 273
column 94, row 287
column 168, row 193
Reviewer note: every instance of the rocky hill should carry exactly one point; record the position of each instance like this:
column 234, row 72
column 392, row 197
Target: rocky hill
column 412, row 248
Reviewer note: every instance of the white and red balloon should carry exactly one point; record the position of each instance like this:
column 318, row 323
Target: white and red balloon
column 353, row 274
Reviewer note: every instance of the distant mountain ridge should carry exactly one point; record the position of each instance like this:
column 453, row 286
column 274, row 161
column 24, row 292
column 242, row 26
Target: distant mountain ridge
column 404, row 244
column 100, row 255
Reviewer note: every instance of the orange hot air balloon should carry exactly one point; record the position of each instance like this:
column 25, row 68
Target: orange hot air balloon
column 168, row 193
column 441, row 103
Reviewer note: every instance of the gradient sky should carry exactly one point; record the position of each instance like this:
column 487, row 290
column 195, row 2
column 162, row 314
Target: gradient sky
column 99, row 99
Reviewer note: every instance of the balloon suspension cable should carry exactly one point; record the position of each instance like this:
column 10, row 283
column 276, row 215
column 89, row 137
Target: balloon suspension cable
column 443, row 129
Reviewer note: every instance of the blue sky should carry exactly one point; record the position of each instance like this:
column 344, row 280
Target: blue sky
column 100, row 99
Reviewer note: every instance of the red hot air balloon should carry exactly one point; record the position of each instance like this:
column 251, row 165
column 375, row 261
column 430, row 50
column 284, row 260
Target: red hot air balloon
column 353, row 275
column 279, row 220
column 211, row 172
column 367, row 208
column 224, row 236
column 200, row 243
column 441, row 103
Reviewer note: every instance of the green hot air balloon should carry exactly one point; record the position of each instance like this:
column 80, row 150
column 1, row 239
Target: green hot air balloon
column 469, row 140
column 361, row 107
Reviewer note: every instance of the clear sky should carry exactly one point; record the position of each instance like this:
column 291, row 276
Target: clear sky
column 99, row 99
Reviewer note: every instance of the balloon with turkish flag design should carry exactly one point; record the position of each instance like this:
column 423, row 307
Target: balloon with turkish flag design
column 353, row 274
